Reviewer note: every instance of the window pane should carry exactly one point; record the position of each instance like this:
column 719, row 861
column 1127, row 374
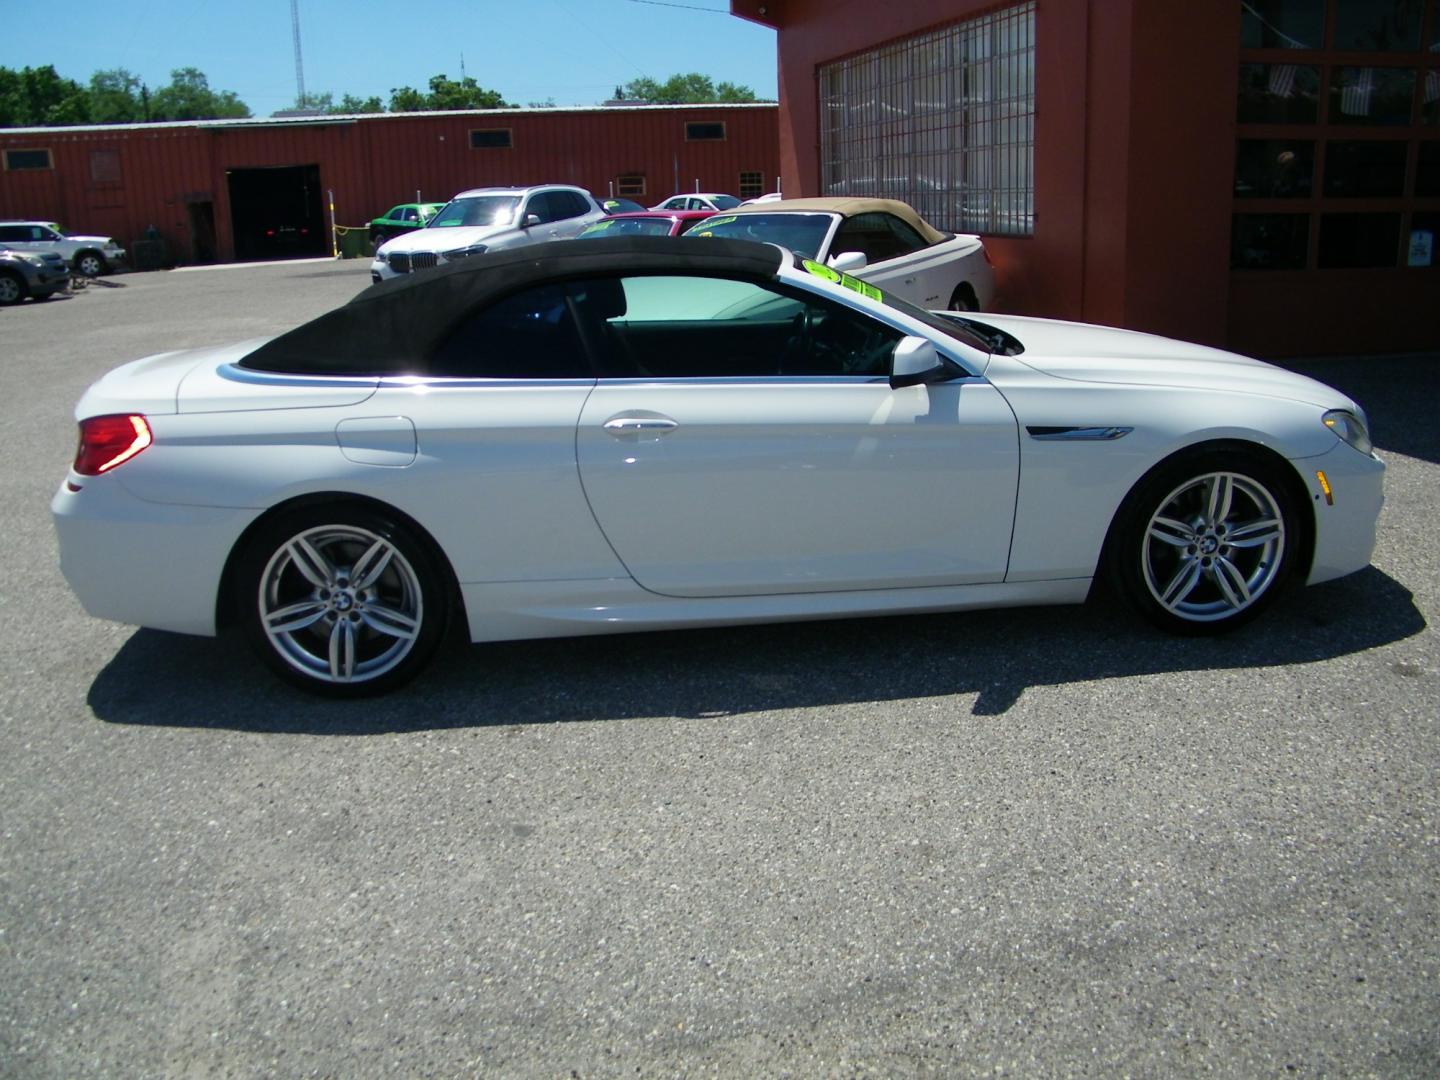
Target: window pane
column 1427, row 173
column 1378, row 25
column 16, row 160
column 1269, row 241
column 1424, row 230
column 1352, row 241
column 1282, row 24
column 1430, row 91
column 1365, row 169
column 943, row 120
column 1371, row 95
column 1278, row 94
column 526, row 336
column 1273, row 168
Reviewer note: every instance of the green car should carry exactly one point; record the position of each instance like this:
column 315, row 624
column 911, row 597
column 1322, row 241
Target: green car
column 398, row 220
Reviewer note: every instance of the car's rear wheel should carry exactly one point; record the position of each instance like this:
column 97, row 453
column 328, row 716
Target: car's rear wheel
column 1206, row 543
column 12, row 288
column 963, row 299
column 90, row 263
column 342, row 601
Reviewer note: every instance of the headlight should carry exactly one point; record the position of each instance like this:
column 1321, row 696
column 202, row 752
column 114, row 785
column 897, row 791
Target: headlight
column 33, row 260
column 461, row 253
column 1350, row 427
column 380, row 256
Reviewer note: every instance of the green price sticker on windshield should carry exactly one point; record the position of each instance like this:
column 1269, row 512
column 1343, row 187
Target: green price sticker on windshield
column 854, row 284
column 719, row 220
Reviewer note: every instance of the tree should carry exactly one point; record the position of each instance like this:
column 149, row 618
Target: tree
column 352, row 104
column 689, row 89
column 117, row 97
column 40, row 97
column 446, row 93
column 189, row 97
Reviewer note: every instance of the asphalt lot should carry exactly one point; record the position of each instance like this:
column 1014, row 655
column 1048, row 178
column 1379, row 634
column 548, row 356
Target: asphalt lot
column 1022, row 843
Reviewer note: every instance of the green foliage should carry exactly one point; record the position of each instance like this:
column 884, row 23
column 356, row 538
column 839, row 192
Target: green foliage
column 352, row 104
column 446, row 93
column 689, row 89
column 189, row 97
column 40, row 97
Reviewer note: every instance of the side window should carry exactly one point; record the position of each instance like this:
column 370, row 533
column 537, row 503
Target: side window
column 569, row 204
column 528, row 335
column 409, row 214
column 869, row 234
column 539, row 205
column 14, row 233
column 906, row 239
column 42, row 233
column 683, row 327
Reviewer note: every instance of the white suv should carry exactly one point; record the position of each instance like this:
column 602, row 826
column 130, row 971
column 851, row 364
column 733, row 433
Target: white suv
column 89, row 255
column 488, row 219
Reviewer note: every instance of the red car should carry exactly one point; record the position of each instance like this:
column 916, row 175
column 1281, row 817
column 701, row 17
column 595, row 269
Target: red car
column 648, row 223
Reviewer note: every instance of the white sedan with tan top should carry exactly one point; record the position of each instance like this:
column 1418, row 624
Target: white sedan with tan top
column 882, row 241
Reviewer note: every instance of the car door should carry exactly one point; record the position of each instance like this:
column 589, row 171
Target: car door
column 744, row 439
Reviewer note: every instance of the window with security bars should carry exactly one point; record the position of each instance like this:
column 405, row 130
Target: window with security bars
column 630, row 185
column 944, row 121
column 752, row 185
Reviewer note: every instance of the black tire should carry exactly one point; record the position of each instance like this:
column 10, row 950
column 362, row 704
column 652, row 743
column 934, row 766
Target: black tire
column 1206, row 542
column 12, row 288
column 963, row 299
column 325, row 631
column 91, row 264
column 376, row 240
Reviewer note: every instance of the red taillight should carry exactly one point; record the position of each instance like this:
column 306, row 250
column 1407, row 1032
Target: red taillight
column 108, row 441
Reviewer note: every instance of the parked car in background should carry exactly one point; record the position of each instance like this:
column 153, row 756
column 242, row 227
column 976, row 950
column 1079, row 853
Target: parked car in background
column 88, row 255
column 402, row 219
column 772, row 196
column 488, row 219
column 649, row 433
column 882, row 241
column 647, row 223
column 700, row 200
column 37, row 274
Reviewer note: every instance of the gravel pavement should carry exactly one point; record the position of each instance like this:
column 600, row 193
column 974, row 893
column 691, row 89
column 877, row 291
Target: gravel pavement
column 1042, row 842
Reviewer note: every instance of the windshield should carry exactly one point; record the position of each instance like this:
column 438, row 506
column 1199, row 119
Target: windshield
column 801, row 233
column 477, row 210
column 629, row 227
column 725, row 202
column 950, row 327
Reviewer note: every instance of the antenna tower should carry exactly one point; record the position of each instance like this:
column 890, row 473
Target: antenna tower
column 299, row 63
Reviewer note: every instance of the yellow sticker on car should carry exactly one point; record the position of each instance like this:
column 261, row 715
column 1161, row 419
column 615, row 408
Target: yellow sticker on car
column 864, row 288
column 720, row 220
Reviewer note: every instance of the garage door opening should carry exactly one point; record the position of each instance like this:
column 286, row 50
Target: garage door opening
column 277, row 213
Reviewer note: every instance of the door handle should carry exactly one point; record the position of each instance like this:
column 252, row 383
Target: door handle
column 637, row 428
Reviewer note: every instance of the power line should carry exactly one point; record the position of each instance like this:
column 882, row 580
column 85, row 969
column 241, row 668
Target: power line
column 687, row 7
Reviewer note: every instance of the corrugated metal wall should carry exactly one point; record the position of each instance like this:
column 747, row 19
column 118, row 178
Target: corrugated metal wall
column 371, row 163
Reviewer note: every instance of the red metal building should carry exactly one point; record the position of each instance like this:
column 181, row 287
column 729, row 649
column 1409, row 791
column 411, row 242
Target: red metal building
column 1258, row 173
column 213, row 188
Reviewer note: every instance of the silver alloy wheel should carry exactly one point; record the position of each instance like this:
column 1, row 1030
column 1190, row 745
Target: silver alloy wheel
column 340, row 604
column 90, row 264
column 1214, row 546
column 11, row 291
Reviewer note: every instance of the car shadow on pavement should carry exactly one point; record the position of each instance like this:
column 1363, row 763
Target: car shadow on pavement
column 164, row 679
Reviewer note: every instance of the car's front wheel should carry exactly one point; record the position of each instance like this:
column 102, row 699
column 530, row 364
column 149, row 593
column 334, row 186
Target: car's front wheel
column 1205, row 544
column 12, row 288
column 90, row 263
column 342, row 601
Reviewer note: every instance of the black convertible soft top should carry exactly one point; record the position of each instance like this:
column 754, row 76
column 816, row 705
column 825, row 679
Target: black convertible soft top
column 395, row 325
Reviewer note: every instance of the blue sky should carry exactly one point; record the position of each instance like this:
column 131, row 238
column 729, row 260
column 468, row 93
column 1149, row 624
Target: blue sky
column 574, row 51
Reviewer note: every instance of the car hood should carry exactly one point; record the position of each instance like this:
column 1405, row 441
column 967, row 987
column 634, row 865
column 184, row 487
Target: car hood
column 447, row 239
column 89, row 239
column 207, row 380
column 1105, row 354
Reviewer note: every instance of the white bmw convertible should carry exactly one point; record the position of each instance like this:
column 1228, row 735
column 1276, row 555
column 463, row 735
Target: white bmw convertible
column 643, row 433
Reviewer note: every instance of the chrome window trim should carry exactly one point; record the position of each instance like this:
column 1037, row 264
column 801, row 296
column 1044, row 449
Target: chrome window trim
column 235, row 373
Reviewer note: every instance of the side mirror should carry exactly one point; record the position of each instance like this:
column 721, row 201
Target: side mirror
column 917, row 361
column 530, row 219
column 847, row 261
